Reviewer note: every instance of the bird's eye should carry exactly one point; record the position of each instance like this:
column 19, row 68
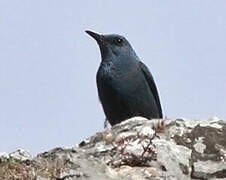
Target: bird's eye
column 119, row 40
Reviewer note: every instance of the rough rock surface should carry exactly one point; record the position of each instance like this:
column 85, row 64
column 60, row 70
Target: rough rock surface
column 136, row 149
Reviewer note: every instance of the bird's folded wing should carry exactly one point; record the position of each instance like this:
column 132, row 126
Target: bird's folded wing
column 152, row 85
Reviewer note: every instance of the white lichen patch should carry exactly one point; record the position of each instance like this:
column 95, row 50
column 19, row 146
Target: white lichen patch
column 135, row 147
column 209, row 167
column 190, row 123
column 146, row 131
column 179, row 131
column 199, row 146
column 21, row 155
column 188, row 140
column 102, row 147
column 211, row 122
column 3, row 156
column 213, row 125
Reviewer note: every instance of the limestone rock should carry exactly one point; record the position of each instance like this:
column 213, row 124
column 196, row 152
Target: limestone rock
column 136, row 149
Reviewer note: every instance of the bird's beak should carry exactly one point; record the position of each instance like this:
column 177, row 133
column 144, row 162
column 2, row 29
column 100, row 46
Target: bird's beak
column 99, row 38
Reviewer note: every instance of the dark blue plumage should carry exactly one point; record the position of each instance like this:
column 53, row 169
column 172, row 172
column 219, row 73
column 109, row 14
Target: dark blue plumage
column 125, row 86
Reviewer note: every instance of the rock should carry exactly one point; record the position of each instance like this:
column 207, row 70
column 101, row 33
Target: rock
column 135, row 149
column 21, row 155
column 3, row 156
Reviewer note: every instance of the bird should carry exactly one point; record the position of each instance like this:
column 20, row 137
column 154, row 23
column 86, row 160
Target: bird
column 125, row 86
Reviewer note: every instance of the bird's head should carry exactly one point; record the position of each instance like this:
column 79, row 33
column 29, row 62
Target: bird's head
column 113, row 45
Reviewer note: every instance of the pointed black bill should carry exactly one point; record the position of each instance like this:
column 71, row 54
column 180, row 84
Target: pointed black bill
column 97, row 37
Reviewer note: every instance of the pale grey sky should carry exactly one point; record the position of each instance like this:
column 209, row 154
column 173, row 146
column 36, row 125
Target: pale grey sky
column 48, row 95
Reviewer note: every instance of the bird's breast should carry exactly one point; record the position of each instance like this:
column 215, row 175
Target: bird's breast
column 118, row 79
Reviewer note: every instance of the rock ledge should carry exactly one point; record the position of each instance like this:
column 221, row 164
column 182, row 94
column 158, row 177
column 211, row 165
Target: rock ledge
column 135, row 149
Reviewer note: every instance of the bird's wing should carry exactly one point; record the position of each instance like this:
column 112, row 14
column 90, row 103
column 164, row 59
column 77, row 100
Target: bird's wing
column 152, row 85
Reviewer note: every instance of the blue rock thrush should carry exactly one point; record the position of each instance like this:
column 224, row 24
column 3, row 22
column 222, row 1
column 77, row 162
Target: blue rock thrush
column 125, row 86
